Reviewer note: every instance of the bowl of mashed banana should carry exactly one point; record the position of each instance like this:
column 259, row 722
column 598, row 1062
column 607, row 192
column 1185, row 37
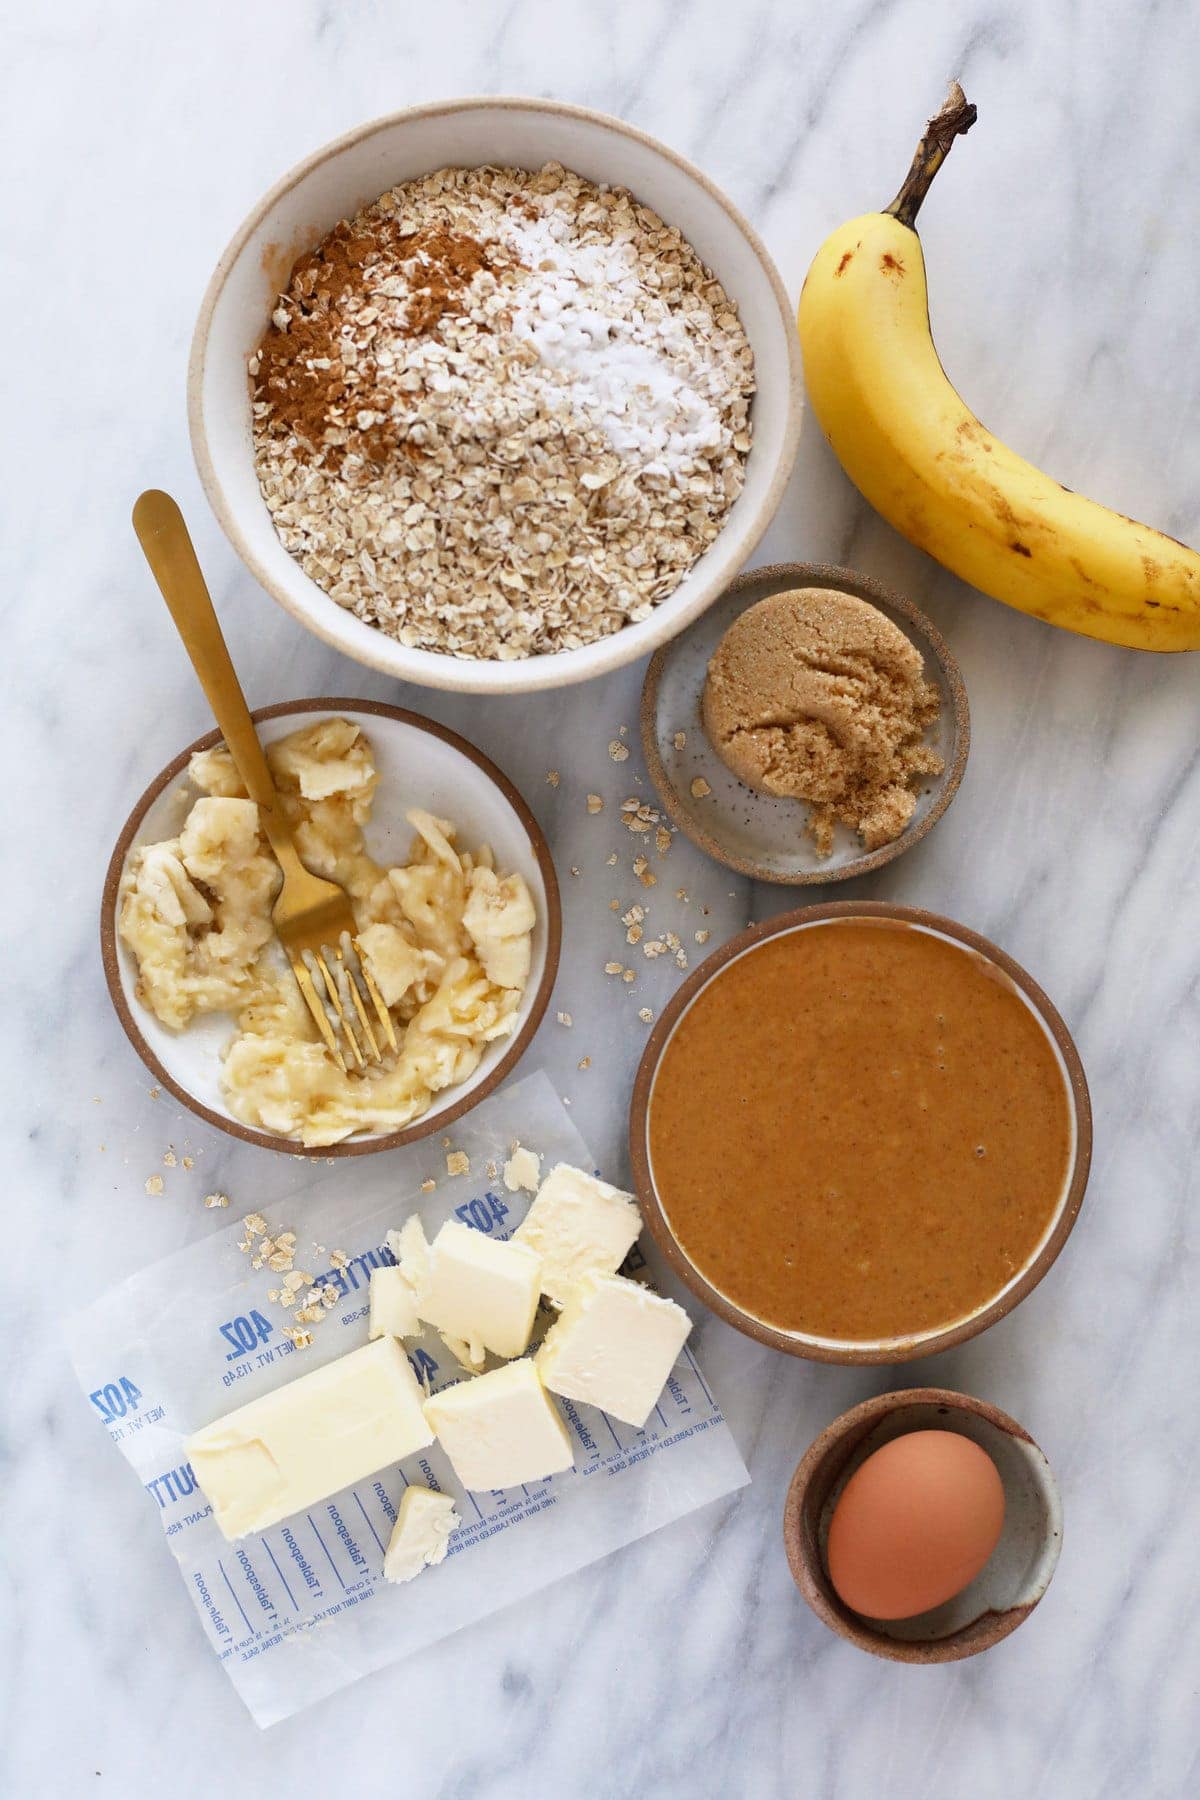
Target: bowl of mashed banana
column 456, row 903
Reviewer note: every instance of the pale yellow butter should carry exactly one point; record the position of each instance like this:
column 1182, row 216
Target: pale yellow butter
column 579, row 1226
column 483, row 1292
column 421, row 1535
column 613, row 1346
column 296, row 1446
column 393, row 1306
column 501, row 1429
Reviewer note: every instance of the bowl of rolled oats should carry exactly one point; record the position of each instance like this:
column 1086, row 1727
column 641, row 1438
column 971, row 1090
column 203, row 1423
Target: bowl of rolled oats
column 495, row 395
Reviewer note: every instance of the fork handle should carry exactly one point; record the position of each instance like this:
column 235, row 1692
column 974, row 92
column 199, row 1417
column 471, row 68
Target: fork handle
column 171, row 554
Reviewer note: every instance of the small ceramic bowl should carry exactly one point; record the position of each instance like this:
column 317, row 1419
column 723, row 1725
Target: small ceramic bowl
column 882, row 1350
column 762, row 835
column 421, row 764
column 1006, row 1590
column 354, row 170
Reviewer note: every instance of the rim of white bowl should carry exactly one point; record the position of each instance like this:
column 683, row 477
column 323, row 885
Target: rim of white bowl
column 427, row 668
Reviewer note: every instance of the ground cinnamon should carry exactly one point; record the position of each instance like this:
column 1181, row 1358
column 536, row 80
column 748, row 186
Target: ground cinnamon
column 312, row 374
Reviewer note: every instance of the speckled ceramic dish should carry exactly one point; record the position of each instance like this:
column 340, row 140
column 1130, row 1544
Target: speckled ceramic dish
column 928, row 1341
column 354, row 170
column 1017, row 1574
column 420, row 763
column 758, row 834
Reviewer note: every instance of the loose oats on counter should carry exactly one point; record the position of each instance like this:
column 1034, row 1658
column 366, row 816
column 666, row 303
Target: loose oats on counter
column 501, row 412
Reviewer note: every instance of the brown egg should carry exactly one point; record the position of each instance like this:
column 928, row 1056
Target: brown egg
column 914, row 1525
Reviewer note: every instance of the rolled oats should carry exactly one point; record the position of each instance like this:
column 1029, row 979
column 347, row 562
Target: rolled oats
column 501, row 412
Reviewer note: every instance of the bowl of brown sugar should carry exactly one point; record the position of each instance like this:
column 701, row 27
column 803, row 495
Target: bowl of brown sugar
column 810, row 727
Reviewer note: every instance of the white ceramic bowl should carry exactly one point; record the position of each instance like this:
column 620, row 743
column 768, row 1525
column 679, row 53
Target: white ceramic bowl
column 421, row 764
column 353, row 171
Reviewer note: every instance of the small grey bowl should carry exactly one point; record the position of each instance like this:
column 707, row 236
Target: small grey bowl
column 761, row 835
column 1006, row 1590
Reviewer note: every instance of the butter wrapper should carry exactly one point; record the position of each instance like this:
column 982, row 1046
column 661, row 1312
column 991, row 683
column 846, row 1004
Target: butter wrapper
column 301, row 1610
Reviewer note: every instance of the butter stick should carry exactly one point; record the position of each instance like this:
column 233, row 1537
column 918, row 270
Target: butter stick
column 296, row 1446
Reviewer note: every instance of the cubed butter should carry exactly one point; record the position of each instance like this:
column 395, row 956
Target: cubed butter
column 468, row 1356
column 421, row 1534
column 579, row 1226
column 393, row 1306
column 613, row 1346
column 410, row 1247
column 313, row 1437
column 501, row 1429
column 480, row 1291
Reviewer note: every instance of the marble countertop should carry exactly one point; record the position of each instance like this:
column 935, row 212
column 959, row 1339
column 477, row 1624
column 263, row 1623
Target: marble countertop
column 1062, row 253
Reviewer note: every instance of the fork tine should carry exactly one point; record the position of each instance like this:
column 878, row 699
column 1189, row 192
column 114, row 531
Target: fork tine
column 335, row 1000
column 345, row 970
column 382, row 1013
column 304, row 982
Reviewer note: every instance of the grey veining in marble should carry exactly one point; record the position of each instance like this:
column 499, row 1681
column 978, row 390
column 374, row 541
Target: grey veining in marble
column 1062, row 246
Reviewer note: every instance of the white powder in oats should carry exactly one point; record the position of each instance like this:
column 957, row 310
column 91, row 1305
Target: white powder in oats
column 501, row 412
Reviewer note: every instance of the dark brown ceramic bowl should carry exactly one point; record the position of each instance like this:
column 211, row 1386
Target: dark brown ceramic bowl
column 420, row 764
column 1018, row 1572
column 762, row 835
column 883, row 1350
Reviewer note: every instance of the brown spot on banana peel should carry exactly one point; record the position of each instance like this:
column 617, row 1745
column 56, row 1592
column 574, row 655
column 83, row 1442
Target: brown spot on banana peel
column 1020, row 548
column 891, row 265
column 847, row 259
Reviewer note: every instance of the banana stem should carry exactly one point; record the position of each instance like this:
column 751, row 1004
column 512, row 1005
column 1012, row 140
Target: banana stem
column 955, row 118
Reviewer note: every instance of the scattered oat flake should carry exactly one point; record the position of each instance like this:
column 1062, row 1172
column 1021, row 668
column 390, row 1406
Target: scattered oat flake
column 552, row 777
column 564, row 1018
column 458, row 1163
column 702, row 937
column 189, row 1162
column 585, row 1062
column 700, row 788
column 155, row 1184
column 612, row 968
column 338, row 1259
column 679, row 740
column 594, row 803
column 618, row 751
column 575, row 870
column 628, row 975
column 662, row 840
column 682, row 894
column 612, row 860
column 491, row 1169
column 646, row 1015
column 301, row 1340
column 634, row 935
column 624, row 731
column 155, row 1092
column 428, row 1185
column 256, row 1223
column 169, row 1158
column 654, row 947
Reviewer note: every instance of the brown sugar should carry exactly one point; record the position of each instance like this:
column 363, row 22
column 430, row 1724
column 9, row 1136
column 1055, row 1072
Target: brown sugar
column 817, row 696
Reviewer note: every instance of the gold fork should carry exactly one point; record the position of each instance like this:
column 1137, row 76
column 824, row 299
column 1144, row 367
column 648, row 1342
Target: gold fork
column 313, row 918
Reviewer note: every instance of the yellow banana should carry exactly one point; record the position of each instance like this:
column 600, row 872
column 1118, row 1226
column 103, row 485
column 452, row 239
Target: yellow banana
column 924, row 461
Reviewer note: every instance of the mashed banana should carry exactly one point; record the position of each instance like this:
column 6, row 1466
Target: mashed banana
column 448, row 940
